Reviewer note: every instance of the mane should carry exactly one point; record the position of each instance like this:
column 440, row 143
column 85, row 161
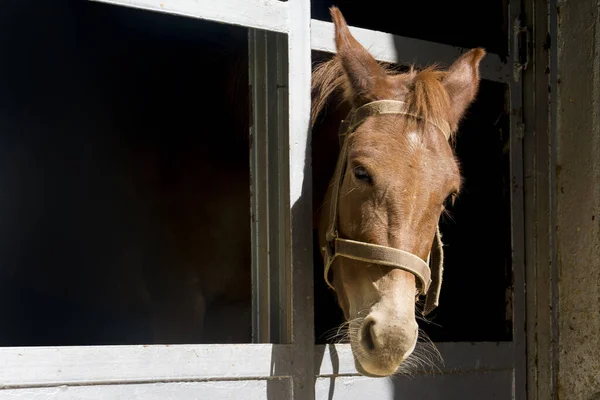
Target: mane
column 426, row 96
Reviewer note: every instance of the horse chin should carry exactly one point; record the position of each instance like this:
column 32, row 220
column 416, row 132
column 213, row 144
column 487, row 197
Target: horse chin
column 380, row 366
column 373, row 369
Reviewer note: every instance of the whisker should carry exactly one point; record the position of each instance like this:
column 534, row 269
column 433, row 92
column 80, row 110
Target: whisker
column 425, row 358
column 427, row 321
column 447, row 216
column 419, row 313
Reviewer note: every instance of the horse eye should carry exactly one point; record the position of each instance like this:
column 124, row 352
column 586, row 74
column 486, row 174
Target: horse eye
column 362, row 174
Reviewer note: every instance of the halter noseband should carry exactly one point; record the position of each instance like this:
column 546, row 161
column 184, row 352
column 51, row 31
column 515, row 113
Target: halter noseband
column 429, row 278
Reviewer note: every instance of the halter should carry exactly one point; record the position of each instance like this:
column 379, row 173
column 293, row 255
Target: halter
column 428, row 274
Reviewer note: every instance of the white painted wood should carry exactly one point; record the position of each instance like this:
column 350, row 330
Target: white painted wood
column 262, row 84
column 488, row 385
column 492, row 385
column 353, row 388
column 214, row 390
column 404, row 50
column 457, row 357
column 270, row 15
column 268, row 163
column 298, row 200
column 246, row 371
column 53, row 366
column 300, row 75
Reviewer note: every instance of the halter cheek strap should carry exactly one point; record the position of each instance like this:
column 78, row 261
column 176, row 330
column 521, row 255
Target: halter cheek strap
column 427, row 273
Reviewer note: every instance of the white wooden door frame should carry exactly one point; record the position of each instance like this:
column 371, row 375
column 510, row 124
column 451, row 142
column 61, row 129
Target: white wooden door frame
column 283, row 361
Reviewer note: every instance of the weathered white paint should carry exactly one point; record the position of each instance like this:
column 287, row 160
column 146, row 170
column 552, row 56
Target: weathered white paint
column 84, row 365
column 488, row 385
column 353, row 388
column 215, row 390
column 458, row 357
column 385, row 47
column 263, row 132
column 53, row 366
column 270, row 15
column 300, row 74
column 298, row 199
column 495, row 385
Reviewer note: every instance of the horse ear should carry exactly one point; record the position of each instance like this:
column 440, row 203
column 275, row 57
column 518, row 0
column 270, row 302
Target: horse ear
column 462, row 82
column 361, row 69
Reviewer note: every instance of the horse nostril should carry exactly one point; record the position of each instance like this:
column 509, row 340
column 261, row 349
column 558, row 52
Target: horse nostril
column 368, row 336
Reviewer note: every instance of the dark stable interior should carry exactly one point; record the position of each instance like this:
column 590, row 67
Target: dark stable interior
column 82, row 84
column 94, row 100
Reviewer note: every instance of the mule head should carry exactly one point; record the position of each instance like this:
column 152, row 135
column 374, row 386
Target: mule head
column 400, row 173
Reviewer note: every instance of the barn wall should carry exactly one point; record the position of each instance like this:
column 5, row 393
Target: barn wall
column 578, row 199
